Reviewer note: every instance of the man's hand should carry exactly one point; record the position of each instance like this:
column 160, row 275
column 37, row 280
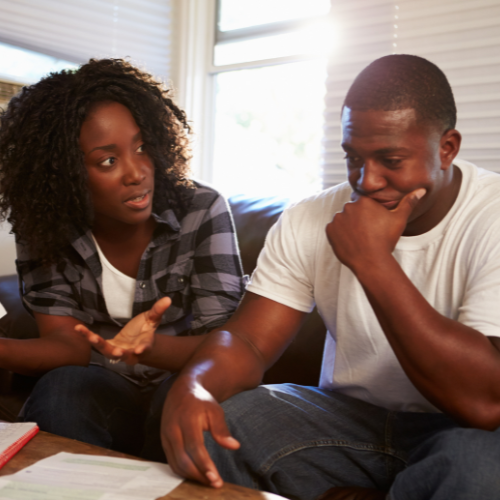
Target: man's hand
column 365, row 229
column 189, row 411
column 135, row 338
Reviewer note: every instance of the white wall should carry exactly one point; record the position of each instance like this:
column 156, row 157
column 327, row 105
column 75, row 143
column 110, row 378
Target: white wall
column 7, row 251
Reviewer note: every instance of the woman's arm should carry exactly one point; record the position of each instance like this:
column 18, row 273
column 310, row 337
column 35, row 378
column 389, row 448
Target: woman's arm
column 58, row 345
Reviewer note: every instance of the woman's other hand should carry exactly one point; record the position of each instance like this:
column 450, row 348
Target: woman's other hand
column 135, row 338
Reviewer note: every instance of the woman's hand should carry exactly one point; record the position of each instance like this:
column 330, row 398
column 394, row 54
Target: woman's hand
column 135, row 338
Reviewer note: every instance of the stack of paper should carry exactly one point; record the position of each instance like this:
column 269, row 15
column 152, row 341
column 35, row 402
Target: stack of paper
column 88, row 477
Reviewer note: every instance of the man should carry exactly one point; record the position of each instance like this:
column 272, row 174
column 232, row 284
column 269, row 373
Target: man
column 407, row 280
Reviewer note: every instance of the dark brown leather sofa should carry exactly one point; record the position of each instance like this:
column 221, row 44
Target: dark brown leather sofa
column 253, row 217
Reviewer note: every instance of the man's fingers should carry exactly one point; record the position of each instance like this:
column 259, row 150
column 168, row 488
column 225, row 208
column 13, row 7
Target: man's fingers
column 221, row 434
column 181, row 455
column 409, row 202
column 156, row 312
column 202, row 461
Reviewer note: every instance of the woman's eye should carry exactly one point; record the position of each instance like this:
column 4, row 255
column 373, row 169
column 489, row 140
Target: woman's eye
column 141, row 148
column 108, row 162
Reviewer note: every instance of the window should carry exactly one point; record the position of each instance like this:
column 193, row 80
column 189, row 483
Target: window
column 269, row 71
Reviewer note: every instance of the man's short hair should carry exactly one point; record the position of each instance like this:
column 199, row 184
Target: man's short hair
column 402, row 81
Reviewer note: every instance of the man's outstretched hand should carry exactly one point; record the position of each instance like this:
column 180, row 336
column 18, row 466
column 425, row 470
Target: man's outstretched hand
column 189, row 411
column 365, row 229
column 135, row 338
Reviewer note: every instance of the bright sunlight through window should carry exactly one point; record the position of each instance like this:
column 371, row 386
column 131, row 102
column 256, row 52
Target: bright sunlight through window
column 269, row 127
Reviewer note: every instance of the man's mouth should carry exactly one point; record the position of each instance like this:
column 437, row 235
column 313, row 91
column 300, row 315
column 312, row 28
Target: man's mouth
column 390, row 205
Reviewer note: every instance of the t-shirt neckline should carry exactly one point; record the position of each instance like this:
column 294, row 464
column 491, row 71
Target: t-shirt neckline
column 422, row 240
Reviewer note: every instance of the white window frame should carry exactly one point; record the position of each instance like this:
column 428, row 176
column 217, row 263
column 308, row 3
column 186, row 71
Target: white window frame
column 194, row 72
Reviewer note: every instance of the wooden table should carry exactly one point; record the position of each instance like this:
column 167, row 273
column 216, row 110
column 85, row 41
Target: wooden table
column 44, row 445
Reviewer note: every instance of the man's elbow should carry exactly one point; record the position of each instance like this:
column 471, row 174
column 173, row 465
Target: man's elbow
column 485, row 416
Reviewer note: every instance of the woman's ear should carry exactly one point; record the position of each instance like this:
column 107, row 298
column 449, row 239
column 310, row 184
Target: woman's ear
column 449, row 147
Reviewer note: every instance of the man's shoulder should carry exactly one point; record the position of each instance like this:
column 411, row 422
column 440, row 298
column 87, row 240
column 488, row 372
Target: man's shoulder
column 321, row 205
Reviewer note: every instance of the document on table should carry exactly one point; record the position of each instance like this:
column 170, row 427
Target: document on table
column 68, row 476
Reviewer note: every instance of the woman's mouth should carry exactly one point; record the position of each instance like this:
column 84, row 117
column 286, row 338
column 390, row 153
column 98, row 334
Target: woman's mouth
column 139, row 202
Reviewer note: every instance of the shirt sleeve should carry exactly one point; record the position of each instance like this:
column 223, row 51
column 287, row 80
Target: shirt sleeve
column 480, row 307
column 283, row 267
column 217, row 281
column 53, row 290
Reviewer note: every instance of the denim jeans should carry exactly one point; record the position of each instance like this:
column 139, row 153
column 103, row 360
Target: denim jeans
column 301, row 441
column 100, row 407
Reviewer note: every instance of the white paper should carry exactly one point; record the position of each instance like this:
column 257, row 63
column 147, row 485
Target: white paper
column 68, row 476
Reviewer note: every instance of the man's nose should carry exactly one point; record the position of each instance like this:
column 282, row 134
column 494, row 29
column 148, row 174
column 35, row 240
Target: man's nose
column 371, row 178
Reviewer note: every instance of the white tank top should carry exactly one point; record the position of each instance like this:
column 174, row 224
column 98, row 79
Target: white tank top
column 118, row 288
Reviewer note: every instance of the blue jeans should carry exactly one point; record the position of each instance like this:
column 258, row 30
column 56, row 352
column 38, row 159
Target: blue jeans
column 301, row 441
column 100, row 407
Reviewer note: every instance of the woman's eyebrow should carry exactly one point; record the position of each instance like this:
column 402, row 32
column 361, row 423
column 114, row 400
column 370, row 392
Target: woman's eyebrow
column 110, row 147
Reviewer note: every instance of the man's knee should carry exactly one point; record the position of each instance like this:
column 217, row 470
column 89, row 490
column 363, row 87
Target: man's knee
column 457, row 463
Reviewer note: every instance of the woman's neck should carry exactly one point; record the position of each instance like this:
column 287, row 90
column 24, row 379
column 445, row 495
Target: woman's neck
column 124, row 244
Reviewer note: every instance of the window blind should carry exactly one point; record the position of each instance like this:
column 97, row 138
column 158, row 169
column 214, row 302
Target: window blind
column 461, row 36
column 76, row 30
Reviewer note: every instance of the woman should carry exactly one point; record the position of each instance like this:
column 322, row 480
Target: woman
column 114, row 242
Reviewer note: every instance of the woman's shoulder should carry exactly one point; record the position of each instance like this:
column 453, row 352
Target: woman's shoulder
column 205, row 196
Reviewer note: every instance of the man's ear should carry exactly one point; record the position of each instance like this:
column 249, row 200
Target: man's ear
column 449, row 147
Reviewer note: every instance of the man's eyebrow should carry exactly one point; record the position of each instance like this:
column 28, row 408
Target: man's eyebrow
column 383, row 151
column 386, row 151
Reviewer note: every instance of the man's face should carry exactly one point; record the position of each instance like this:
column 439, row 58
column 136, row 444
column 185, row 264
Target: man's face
column 390, row 154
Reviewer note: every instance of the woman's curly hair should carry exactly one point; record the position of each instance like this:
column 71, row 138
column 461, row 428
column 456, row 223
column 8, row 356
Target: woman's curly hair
column 43, row 180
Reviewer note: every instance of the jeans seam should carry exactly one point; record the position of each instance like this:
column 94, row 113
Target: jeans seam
column 389, row 423
column 320, row 443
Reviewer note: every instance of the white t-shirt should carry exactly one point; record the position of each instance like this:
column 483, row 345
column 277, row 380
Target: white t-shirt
column 455, row 266
column 118, row 289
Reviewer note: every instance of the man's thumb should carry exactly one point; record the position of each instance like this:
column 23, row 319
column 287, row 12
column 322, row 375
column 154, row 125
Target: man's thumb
column 409, row 202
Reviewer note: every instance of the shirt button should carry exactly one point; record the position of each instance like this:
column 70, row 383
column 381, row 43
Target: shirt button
column 143, row 285
column 181, row 280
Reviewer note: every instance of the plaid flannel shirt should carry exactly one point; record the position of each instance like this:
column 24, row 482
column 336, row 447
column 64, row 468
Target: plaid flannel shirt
column 194, row 261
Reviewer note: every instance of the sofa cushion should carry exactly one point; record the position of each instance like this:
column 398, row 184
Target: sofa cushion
column 17, row 323
column 253, row 217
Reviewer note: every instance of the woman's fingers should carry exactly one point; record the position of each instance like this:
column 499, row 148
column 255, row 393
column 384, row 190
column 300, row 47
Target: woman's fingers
column 156, row 312
column 103, row 346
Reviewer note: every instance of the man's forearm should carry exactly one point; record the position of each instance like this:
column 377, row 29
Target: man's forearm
column 454, row 366
column 224, row 365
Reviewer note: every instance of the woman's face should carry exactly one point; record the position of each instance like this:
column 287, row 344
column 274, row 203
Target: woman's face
column 120, row 172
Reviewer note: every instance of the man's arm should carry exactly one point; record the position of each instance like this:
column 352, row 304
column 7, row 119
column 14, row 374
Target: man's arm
column 232, row 359
column 454, row 366
column 57, row 346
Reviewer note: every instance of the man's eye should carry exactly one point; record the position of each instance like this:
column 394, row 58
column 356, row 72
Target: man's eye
column 391, row 162
column 351, row 159
column 108, row 162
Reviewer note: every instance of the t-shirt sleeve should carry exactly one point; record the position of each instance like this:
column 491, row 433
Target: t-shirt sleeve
column 480, row 307
column 282, row 268
column 53, row 290
column 217, row 281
